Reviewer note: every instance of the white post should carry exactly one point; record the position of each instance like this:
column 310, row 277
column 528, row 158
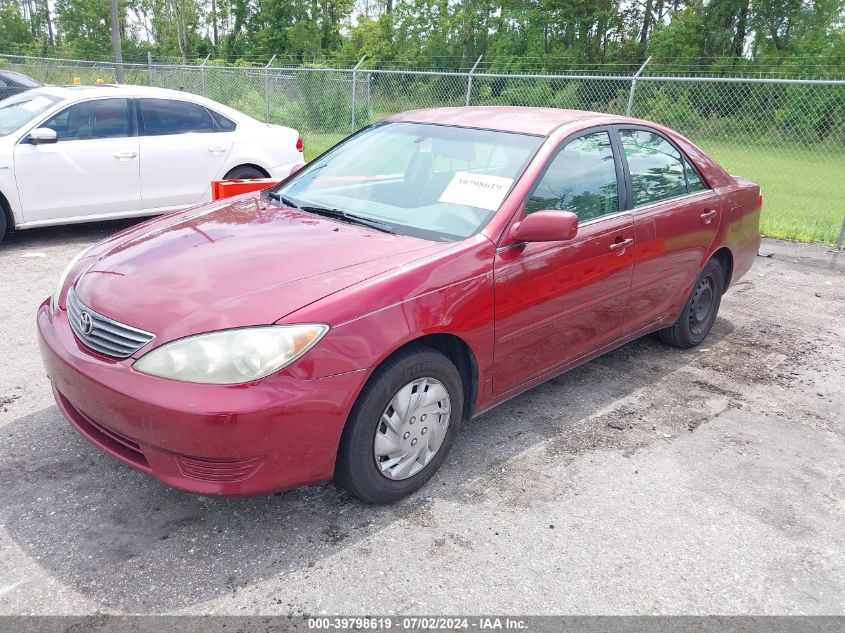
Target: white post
column 634, row 87
column 354, row 87
column 469, row 79
column 202, row 73
column 267, row 87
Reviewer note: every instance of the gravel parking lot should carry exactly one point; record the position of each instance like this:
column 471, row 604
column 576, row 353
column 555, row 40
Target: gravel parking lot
column 649, row 481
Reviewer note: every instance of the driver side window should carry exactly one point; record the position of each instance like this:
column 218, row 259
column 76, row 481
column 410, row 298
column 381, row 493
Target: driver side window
column 581, row 179
column 98, row 119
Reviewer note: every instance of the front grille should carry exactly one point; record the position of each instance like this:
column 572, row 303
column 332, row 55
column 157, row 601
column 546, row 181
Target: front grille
column 121, row 439
column 101, row 333
column 108, row 440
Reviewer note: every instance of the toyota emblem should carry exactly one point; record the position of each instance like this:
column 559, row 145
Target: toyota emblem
column 85, row 323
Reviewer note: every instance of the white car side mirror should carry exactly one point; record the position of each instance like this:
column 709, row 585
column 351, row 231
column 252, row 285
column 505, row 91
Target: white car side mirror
column 43, row 136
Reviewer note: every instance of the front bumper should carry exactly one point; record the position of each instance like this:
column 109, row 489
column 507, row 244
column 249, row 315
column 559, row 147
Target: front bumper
column 273, row 434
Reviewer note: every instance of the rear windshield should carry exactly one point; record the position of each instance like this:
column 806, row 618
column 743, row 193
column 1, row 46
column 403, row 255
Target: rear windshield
column 23, row 80
column 18, row 110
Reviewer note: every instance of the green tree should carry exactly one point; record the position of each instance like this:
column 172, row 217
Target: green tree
column 15, row 32
column 85, row 27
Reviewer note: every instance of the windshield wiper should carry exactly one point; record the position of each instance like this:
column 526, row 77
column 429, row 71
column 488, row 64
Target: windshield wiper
column 274, row 195
column 337, row 214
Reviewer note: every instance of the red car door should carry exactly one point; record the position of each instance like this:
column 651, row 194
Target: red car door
column 676, row 217
column 557, row 301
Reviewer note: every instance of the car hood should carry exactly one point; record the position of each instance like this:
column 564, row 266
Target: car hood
column 244, row 262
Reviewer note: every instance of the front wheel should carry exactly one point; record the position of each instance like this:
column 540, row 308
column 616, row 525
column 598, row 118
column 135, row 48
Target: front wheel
column 402, row 426
column 699, row 311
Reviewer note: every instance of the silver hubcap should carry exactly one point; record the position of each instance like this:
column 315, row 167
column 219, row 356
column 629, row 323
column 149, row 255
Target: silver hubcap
column 412, row 428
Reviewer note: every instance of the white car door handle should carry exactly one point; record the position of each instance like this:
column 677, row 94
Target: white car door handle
column 216, row 149
column 125, row 155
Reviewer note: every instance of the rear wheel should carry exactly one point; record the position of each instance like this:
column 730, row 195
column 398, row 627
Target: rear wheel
column 3, row 223
column 699, row 311
column 402, row 426
column 244, row 172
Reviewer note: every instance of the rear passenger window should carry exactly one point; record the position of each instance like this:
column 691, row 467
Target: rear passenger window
column 223, row 124
column 166, row 116
column 581, row 179
column 657, row 168
column 694, row 182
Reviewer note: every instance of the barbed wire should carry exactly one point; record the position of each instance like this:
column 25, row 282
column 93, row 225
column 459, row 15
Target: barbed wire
column 822, row 67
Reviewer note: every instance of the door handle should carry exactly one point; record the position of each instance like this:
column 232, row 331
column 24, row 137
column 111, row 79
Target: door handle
column 216, row 149
column 622, row 245
column 708, row 216
column 125, row 155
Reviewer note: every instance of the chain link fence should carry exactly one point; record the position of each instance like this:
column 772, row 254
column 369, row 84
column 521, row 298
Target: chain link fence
column 788, row 135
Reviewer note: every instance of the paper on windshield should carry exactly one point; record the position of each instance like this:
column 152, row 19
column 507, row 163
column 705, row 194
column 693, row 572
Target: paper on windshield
column 39, row 103
column 476, row 190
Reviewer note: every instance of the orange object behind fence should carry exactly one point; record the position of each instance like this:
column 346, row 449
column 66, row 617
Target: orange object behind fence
column 227, row 188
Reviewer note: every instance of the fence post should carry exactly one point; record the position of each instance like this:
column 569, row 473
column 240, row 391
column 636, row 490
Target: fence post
column 202, row 73
column 369, row 98
column 150, row 68
column 354, row 88
column 469, row 79
column 267, row 87
column 838, row 247
column 634, row 87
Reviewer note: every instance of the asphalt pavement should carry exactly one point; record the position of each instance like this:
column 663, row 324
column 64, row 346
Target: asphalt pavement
column 648, row 481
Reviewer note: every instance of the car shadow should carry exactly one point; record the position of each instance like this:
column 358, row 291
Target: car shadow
column 129, row 543
column 70, row 233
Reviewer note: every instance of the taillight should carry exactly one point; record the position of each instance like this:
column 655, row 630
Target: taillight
column 299, row 144
column 760, row 201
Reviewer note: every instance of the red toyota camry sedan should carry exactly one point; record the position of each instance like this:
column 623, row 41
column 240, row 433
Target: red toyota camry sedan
column 342, row 324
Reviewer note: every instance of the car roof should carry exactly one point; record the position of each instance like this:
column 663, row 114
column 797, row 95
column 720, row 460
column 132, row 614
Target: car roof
column 14, row 74
column 124, row 90
column 538, row 121
column 111, row 90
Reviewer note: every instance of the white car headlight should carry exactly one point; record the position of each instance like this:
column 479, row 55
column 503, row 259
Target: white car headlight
column 230, row 357
column 54, row 300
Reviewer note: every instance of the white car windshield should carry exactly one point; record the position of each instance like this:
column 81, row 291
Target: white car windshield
column 20, row 109
column 431, row 181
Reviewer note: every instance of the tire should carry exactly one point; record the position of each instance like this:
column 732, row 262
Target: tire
column 699, row 311
column 365, row 467
column 244, row 172
column 4, row 225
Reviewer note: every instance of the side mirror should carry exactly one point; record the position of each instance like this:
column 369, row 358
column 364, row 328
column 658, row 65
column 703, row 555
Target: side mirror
column 546, row 226
column 295, row 169
column 43, row 136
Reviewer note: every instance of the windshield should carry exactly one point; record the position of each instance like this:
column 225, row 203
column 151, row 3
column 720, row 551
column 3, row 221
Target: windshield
column 430, row 181
column 20, row 109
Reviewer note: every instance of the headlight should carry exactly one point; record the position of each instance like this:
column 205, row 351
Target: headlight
column 54, row 300
column 230, row 357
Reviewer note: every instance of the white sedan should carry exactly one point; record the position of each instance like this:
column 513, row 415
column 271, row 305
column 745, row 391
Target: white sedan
column 83, row 153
